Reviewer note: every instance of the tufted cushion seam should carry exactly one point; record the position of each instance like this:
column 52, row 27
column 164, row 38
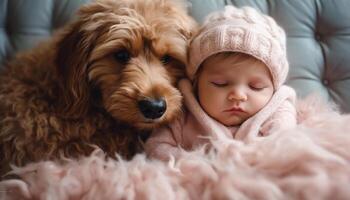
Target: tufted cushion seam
column 55, row 19
column 41, row 31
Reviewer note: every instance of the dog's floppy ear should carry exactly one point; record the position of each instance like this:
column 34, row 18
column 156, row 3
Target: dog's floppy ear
column 73, row 52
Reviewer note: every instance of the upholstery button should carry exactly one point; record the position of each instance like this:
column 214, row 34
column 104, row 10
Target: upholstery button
column 318, row 37
column 325, row 82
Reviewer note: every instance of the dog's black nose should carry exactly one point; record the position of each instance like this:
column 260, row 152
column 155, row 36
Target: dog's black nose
column 152, row 108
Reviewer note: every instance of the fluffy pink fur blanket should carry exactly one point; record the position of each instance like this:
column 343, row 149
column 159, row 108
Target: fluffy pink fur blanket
column 311, row 161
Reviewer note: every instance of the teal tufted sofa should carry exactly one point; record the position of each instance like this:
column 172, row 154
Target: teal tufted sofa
column 23, row 23
column 318, row 36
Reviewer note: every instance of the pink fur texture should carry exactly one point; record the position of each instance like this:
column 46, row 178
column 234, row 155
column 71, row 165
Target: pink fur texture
column 311, row 161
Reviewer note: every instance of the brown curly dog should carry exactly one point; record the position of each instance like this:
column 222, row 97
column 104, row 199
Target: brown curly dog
column 103, row 80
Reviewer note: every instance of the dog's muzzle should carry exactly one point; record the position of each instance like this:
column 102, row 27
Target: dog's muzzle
column 152, row 108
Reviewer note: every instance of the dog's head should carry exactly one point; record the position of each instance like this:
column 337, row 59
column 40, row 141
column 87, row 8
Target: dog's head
column 126, row 57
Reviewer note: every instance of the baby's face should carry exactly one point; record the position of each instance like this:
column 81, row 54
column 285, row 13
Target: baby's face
column 231, row 92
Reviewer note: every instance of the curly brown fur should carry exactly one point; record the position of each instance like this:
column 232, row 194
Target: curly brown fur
column 83, row 87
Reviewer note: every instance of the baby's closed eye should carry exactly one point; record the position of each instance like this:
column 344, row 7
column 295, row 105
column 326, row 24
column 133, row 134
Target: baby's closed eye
column 219, row 83
column 257, row 86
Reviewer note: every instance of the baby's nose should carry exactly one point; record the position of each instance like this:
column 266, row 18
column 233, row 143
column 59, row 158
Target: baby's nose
column 237, row 94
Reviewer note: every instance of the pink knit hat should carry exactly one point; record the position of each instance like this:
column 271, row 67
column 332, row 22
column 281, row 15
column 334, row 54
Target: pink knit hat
column 241, row 30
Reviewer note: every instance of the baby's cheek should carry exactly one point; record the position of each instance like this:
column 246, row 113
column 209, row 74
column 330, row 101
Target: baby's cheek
column 263, row 100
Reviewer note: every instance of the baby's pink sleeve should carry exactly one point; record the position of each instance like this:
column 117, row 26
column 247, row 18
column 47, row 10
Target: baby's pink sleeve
column 165, row 142
column 285, row 117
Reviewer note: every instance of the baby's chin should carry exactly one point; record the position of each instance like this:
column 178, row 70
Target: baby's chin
column 231, row 121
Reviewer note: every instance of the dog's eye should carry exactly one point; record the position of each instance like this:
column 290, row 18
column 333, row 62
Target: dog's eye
column 166, row 59
column 122, row 56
